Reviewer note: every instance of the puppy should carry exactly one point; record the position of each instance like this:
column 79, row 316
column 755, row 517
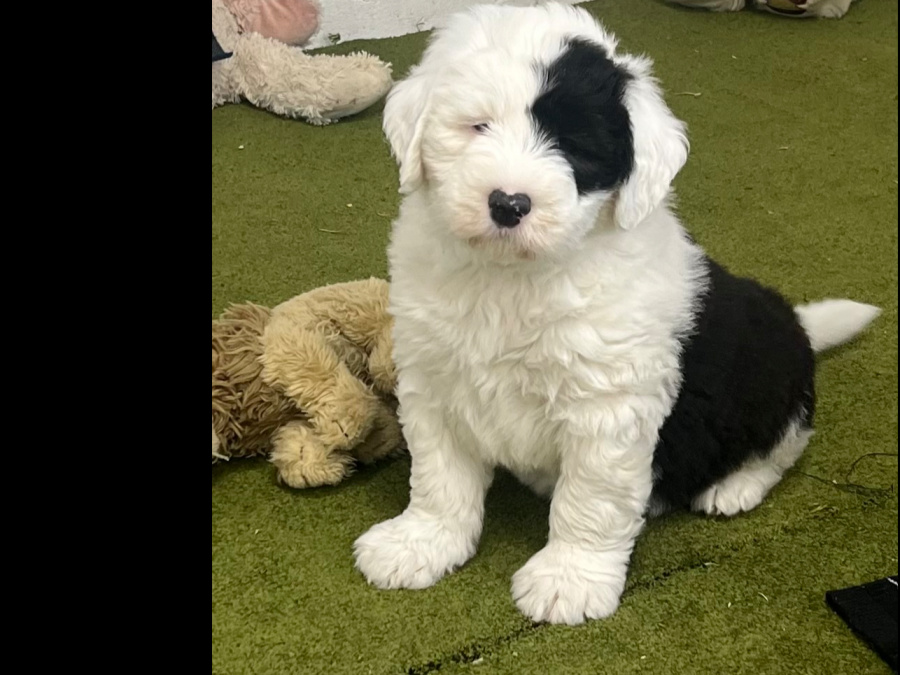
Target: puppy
column 553, row 317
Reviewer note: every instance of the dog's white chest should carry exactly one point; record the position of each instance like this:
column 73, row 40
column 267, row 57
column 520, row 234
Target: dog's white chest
column 500, row 364
column 519, row 360
column 499, row 406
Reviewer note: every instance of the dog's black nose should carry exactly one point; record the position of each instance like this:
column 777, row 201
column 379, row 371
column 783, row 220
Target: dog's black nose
column 508, row 210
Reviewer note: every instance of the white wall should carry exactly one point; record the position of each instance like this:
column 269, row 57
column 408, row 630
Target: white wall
column 359, row 19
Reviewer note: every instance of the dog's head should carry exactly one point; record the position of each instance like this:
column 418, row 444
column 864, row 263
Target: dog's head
column 524, row 126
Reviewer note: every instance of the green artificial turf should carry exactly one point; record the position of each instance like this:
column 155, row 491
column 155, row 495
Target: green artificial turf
column 792, row 179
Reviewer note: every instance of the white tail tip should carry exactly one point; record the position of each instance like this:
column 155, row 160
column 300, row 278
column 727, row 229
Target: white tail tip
column 830, row 323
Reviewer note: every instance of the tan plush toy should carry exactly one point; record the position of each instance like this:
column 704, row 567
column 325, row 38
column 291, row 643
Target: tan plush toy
column 309, row 382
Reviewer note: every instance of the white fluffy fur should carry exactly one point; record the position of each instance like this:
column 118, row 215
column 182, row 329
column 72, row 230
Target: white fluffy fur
column 551, row 348
column 830, row 323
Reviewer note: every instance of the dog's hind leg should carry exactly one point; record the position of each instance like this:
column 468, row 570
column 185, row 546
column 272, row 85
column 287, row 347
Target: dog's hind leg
column 745, row 488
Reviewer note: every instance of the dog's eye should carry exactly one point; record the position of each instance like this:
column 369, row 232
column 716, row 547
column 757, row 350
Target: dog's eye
column 480, row 128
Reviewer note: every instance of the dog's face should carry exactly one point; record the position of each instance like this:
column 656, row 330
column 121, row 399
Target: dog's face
column 525, row 128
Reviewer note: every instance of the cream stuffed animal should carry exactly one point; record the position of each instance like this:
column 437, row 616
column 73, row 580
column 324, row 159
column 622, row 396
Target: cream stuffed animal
column 258, row 65
column 801, row 9
column 309, row 383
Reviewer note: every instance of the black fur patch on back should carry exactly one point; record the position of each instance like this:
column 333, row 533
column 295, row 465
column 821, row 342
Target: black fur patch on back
column 581, row 111
column 747, row 372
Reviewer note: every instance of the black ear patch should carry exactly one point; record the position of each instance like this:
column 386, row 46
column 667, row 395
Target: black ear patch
column 582, row 112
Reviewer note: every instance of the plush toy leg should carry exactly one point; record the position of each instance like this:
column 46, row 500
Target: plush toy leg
column 300, row 363
column 303, row 461
column 383, row 440
column 344, row 412
column 318, row 88
column 381, row 364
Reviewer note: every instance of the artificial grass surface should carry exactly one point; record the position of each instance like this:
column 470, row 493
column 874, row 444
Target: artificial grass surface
column 792, row 179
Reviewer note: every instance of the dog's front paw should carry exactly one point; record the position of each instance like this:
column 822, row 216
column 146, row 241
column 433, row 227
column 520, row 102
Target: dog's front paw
column 411, row 552
column 566, row 584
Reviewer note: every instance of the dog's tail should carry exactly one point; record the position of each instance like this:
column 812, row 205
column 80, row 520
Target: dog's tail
column 830, row 323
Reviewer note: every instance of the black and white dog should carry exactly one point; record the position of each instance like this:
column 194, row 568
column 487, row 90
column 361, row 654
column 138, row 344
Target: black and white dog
column 553, row 317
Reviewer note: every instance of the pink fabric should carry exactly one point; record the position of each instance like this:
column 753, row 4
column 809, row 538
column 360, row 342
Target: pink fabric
column 291, row 21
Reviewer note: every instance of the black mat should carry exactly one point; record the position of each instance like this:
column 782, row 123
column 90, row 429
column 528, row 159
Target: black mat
column 871, row 611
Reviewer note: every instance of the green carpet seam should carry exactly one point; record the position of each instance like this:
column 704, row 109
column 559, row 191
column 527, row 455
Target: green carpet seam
column 477, row 649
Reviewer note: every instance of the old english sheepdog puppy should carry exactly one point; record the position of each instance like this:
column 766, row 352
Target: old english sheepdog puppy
column 553, row 317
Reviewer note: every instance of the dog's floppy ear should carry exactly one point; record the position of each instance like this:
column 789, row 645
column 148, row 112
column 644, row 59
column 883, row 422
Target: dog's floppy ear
column 404, row 117
column 660, row 150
